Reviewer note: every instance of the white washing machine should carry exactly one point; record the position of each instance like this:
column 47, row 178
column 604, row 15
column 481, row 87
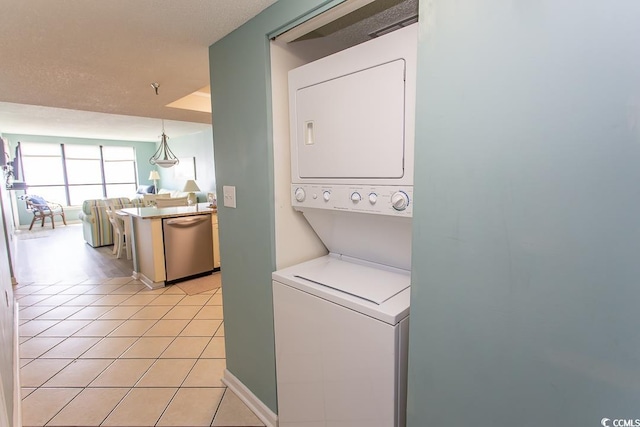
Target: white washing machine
column 342, row 340
column 341, row 321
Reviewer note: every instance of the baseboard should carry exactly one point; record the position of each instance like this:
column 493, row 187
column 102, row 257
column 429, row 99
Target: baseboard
column 266, row 415
column 58, row 222
column 17, row 398
column 148, row 282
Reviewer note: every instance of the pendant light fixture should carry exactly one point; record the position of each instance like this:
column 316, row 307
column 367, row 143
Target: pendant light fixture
column 163, row 156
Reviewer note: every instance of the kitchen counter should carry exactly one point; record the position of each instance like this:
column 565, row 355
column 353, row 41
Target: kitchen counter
column 147, row 239
column 173, row 212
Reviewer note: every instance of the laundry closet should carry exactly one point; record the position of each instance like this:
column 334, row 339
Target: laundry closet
column 343, row 169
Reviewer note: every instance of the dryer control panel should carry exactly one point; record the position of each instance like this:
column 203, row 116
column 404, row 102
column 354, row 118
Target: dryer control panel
column 381, row 199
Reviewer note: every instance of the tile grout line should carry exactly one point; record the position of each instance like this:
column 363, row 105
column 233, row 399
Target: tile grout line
column 115, row 406
column 167, row 406
column 224, row 393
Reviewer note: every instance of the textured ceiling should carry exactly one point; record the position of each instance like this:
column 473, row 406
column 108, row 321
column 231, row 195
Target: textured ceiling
column 102, row 56
column 357, row 26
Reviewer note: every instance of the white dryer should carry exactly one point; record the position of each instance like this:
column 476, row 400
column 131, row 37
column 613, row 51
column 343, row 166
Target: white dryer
column 341, row 321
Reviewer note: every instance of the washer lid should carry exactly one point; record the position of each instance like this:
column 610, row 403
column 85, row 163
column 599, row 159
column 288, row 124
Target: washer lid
column 370, row 284
column 372, row 289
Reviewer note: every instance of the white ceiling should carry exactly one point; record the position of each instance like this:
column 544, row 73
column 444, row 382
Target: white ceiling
column 85, row 68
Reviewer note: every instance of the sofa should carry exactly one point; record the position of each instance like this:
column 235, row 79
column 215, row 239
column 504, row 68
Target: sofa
column 96, row 228
column 148, row 199
column 173, row 193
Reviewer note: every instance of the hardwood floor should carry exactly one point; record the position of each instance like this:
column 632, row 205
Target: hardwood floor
column 49, row 255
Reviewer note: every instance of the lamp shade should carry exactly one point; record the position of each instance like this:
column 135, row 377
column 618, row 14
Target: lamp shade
column 154, row 175
column 191, row 186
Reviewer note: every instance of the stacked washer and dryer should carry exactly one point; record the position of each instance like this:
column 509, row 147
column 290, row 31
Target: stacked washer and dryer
column 341, row 321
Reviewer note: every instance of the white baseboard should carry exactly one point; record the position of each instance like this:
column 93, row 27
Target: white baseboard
column 148, row 282
column 17, row 398
column 266, row 415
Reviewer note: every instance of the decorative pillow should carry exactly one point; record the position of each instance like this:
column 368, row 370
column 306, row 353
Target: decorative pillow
column 146, row 189
column 37, row 200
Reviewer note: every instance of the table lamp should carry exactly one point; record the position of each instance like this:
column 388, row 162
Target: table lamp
column 191, row 187
column 154, row 176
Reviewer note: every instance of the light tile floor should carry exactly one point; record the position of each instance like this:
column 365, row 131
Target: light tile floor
column 110, row 352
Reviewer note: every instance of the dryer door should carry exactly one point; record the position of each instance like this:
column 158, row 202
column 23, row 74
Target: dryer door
column 352, row 126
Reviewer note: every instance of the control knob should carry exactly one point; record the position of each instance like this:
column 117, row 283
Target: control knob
column 356, row 197
column 326, row 195
column 399, row 200
column 300, row 195
column 373, row 198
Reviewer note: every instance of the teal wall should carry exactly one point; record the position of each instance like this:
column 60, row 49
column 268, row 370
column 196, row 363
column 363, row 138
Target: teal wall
column 199, row 146
column 526, row 251
column 240, row 90
column 526, row 236
column 144, row 150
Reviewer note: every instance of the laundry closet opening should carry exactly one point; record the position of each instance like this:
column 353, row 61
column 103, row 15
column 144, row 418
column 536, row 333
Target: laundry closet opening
column 348, row 24
column 344, row 133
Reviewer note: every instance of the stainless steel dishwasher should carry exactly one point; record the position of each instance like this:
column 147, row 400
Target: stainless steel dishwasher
column 188, row 247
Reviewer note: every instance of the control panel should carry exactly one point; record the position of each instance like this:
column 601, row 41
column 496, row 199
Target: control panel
column 381, row 200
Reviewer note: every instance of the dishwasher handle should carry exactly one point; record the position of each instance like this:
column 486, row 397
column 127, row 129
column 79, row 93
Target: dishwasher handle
column 187, row 222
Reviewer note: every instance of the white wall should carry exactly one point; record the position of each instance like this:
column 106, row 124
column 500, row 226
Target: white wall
column 8, row 363
column 295, row 239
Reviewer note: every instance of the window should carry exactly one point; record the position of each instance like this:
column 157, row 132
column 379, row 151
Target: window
column 84, row 172
column 42, row 166
column 69, row 173
column 119, row 171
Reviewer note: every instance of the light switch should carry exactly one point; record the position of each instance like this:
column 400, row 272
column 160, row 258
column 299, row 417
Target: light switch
column 229, row 195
